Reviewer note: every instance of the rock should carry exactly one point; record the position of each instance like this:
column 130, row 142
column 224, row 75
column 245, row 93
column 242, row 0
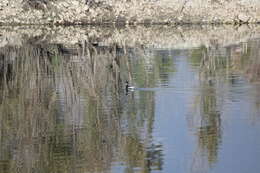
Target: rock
column 77, row 11
column 244, row 18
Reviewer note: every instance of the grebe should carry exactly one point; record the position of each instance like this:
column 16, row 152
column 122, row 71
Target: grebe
column 129, row 88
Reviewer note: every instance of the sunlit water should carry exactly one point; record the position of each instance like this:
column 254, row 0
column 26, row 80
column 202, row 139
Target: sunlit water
column 66, row 109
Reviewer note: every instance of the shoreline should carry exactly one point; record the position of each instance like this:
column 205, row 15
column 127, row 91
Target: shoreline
column 125, row 24
column 134, row 24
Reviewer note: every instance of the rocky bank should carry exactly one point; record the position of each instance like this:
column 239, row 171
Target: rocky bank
column 129, row 11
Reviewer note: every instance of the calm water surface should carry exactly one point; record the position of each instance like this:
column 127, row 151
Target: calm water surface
column 65, row 109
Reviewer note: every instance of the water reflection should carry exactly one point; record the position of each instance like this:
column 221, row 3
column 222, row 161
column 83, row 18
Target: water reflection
column 221, row 72
column 63, row 108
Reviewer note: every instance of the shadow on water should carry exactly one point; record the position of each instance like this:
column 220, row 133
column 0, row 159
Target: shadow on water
column 63, row 107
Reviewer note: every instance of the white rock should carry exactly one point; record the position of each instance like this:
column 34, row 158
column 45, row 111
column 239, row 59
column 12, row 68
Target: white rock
column 243, row 17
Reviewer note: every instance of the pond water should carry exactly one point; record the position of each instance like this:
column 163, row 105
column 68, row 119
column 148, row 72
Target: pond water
column 64, row 108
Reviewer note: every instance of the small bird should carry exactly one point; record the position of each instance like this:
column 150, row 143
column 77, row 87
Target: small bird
column 129, row 88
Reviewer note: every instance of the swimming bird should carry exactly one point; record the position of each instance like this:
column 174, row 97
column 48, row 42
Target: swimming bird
column 129, row 88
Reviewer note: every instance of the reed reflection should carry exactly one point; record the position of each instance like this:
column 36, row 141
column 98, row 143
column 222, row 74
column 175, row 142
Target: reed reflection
column 219, row 81
column 63, row 110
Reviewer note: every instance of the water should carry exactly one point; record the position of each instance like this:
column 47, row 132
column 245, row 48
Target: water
column 64, row 108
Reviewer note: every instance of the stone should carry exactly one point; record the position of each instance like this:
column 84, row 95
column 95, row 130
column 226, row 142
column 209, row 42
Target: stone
column 195, row 11
column 243, row 17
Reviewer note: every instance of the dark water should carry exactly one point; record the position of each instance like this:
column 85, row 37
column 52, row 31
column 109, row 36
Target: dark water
column 64, row 108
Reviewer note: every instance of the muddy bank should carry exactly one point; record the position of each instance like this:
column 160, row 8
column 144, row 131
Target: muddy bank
column 128, row 11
